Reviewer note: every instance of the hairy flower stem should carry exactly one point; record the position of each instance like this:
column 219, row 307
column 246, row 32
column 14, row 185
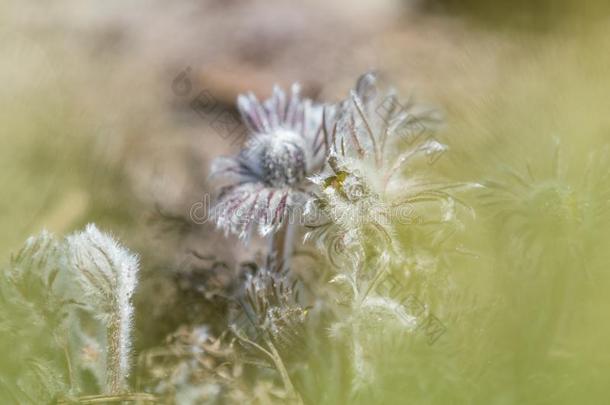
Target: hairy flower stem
column 115, row 380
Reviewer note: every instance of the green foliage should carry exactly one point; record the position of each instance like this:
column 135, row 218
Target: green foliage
column 33, row 317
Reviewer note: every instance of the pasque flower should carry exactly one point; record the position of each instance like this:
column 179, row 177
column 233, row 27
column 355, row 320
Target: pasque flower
column 268, row 177
column 270, row 320
column 375, row 140
column 269, row 303
column 107, row 273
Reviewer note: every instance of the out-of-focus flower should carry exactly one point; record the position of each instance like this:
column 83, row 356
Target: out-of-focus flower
column 269, row 175
column 564, row 210
column 33, row 275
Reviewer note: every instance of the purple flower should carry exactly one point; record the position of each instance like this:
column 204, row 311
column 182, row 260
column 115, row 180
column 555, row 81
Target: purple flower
column 268, row 177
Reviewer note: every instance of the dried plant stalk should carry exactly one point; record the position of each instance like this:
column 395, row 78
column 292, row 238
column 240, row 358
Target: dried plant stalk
column 139, row 398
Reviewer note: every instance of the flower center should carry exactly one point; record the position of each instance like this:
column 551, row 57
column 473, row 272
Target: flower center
column 283, row 158
column 349, row 186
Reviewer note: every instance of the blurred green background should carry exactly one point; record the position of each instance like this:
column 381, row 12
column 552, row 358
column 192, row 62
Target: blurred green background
column 91, row 131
